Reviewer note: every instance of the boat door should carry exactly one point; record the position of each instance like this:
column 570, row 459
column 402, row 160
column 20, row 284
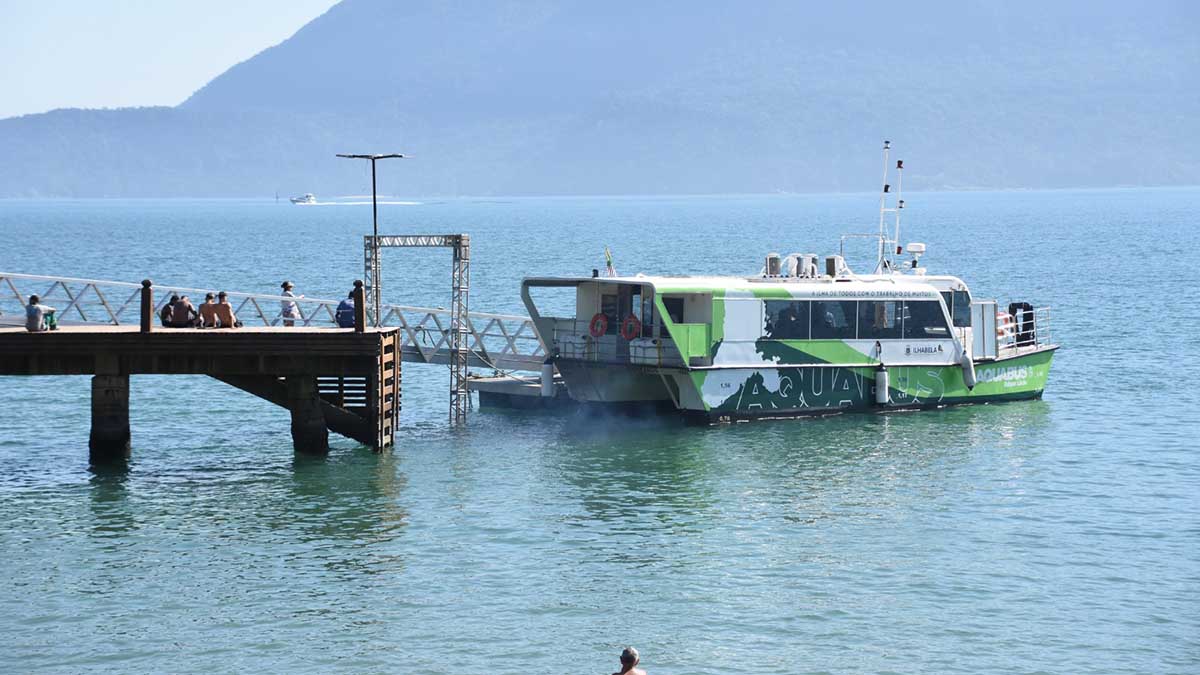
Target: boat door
column 625, row 296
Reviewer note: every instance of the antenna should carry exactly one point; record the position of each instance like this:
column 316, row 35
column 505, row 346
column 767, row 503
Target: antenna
column 880, row 265
column 899, row 203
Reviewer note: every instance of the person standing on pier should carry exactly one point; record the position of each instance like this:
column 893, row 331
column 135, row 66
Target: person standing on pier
column 288, row 308
column 629, row 660
column 36, row 315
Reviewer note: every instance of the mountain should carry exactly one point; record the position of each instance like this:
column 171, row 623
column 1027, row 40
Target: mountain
column 658, row 96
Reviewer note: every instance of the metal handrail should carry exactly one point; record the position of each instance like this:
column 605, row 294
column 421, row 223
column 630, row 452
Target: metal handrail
column 1042, row 330
column 492, row 338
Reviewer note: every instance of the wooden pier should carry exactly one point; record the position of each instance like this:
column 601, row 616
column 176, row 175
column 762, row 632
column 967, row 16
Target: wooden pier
column 345, row 380
column 336, row 380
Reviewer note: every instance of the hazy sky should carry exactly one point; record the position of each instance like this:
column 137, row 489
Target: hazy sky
column 111, row 53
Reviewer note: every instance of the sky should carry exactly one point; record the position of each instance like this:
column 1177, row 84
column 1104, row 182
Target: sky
column 117, row 53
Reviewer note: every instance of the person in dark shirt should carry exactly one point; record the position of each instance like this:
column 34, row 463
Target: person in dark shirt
column 345, row 312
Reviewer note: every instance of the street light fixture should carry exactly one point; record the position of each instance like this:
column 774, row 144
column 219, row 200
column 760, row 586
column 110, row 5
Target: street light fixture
column 375, row 301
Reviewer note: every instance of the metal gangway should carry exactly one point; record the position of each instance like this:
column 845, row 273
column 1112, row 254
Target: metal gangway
column 502, row 342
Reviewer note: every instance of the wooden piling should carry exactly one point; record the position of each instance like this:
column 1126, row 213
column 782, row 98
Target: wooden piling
column 147, row 306
column 360, row 307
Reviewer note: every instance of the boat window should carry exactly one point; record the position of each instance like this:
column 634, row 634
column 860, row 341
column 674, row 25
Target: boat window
column 786, row 320
column 674, row 307
column 878, row 319
column 832, row 320
column 924, row 319
column 609, row 308
column 958, row 303
column 647, row 318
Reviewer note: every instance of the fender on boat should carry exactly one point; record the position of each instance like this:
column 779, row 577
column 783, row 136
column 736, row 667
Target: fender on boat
column 882, row 395
column 968, row 366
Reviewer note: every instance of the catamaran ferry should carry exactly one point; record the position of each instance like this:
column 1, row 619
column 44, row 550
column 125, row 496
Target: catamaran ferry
column 799, row 338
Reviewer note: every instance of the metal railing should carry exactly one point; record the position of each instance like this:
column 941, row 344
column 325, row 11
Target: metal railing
column 1027, row 330
column 572, row 340
column 500, row 341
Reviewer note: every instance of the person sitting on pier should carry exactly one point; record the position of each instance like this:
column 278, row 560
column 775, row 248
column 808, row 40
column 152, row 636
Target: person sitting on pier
column 208, row 312
column 167, row 311
column 345, row 312
column 225, row 312
column 629, row 661
column 38, row 317
column 184, row 314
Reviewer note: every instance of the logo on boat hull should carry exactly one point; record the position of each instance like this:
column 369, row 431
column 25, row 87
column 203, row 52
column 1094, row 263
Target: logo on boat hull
column 922, row 349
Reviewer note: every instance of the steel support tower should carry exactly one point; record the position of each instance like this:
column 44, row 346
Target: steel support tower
column 457, row 336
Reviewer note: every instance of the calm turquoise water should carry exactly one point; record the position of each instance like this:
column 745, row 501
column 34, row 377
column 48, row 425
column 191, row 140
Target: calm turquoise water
column 1059, row 536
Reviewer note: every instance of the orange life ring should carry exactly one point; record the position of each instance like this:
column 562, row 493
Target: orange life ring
column 599, row 325
column 631, row 327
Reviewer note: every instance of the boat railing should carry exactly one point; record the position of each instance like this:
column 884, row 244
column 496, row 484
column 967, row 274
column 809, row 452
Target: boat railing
column 572, row 339
column 1024, row 330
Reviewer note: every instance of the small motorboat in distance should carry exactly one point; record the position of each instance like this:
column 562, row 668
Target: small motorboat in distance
column 308, row 198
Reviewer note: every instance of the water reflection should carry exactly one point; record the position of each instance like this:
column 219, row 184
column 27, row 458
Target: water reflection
column 353, row 498
column 111, row 512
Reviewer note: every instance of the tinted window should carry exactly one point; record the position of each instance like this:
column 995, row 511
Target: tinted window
column 832, row 320
column 674, row 307
column 608, row 307
column 961, row 311
column 924, row 319
column 786, row 320
column 958, row 303
column 878, row 319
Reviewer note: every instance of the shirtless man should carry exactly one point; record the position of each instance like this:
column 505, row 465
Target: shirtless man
column 183, row 314
column 629, row 661
column 208, row 312
column 225, row 312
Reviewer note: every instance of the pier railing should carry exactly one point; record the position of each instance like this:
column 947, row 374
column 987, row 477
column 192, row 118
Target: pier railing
column 500, row 341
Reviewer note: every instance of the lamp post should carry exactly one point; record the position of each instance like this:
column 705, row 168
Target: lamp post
column 375, row 302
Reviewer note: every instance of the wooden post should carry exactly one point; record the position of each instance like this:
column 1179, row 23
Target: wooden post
column 360, row 307
column 109, row 440
column 309, row 433
column 147, row 306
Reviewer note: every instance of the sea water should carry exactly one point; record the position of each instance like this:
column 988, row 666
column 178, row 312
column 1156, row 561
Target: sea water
column 1060, row 535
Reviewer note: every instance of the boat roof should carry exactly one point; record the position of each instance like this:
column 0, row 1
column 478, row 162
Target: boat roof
column 904, row 284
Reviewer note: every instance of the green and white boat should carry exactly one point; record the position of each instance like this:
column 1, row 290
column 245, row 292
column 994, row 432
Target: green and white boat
column 800, row 338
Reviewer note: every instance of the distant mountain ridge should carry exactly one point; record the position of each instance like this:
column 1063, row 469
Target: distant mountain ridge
column 658, row 96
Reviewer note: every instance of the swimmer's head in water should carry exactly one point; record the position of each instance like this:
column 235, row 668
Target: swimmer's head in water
column 629, row 657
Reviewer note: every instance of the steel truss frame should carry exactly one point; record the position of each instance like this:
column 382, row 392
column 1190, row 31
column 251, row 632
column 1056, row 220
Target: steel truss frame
column 460, row 288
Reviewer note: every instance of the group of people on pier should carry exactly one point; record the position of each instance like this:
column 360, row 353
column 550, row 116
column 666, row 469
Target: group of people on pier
column 214, row 312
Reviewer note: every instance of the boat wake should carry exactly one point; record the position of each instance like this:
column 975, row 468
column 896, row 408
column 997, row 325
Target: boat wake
column 363, row 203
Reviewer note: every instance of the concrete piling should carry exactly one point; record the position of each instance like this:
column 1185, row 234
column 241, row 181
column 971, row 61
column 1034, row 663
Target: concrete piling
column 109, row 438
column 310, row 436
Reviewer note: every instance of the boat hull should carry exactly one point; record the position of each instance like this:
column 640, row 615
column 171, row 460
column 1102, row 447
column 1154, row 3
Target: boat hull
column 730, row 394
